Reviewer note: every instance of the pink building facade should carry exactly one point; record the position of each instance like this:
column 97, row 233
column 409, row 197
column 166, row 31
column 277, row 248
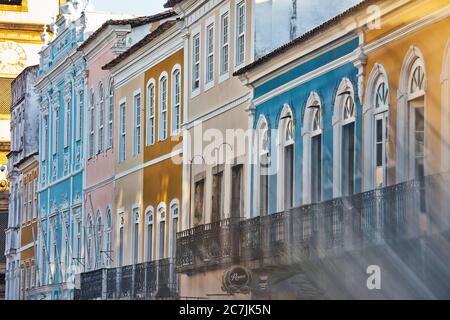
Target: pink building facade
column 110, row 40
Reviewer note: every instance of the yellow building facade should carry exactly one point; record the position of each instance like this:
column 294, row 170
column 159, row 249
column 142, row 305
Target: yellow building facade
column 406, row 91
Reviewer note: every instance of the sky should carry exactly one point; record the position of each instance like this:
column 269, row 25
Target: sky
column 137, row 7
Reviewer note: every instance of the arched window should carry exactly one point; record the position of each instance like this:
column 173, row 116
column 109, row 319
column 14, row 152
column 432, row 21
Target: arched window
column 176, row 100
column 312, row 150
column 135, row 235
column 411, row 138
column 101, row 117
column 344, row 119
column 150, row 137
column 90, row 231
column 174, row 216
column 98, row 241
column 376, row 126
column 149, row 213
column 161, row 231
column 162, row 121
column 110, row 116
column 286, row 159
column 263, row 162
column 108, row 238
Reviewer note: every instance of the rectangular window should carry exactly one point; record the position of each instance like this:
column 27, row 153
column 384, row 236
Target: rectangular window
column 136, row 238
column 100, row 123
column 176, row 102
column 163, row 108
column 150, row 242
column 25, row 204
column 224, row 43
column 198, row 202
column 109, row 132
column 35, row 195
column 32, row 277
column 78, row 245
column 66, row 124
column 173, row 249
column 122, row 132
column 196, row 62
column 288, row 176
column 150, row 114
column 240, row 33
column 79, row 115
column 44, row 137
column 236, row 191
column 216, row 214
column 162, row 240
column 137, row 125
column 55, row 131
column 30, row 199
column 209, row 53
column 120, row 260
column 91, row 128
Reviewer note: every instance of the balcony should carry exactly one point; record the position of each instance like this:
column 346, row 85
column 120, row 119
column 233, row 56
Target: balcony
column 149, row 280
column 322, row 230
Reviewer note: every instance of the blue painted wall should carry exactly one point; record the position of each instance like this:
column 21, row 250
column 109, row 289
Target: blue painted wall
column 326, row 86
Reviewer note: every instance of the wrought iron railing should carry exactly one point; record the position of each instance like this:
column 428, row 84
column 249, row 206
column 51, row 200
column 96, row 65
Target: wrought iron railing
column 318, row 230
column 149, row 280
column 91, row 285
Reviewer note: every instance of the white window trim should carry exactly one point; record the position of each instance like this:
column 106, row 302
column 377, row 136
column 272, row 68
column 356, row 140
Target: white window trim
column 163, row 75
column 175, row 203
column 136, row 152
column 91, row 130
column 338, row 123
column 236, row 35
column 149, row 211
column 150, row 141
column 108, row 240
column 262, row 122
column 173, row 131
column 135, row 210
column 377, row 76
column 123, row 102
column 110, row 134
column 210, row 22
column 403, row 172
column 121, row 216
column 196, row 32
column 308, row 134
column 161, row 205
column 225, row 10
column 282, row 143
column 67, row 109
column 100, row 121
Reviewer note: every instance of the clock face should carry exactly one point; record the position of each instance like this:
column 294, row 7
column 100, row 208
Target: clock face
column 13, row 58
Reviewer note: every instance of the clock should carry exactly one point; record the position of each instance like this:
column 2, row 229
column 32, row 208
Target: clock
column 13, row 58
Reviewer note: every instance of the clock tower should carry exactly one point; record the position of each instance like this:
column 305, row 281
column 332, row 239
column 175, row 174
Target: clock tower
column 21, row 25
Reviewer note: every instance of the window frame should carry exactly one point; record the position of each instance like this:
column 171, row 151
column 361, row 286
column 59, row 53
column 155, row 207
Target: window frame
column 151, row 113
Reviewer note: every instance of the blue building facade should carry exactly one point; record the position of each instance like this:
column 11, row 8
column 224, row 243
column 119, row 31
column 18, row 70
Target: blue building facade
column 61, row 87
column 307, row 121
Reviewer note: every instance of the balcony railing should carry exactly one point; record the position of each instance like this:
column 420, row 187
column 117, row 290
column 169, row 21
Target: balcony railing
column 149, row 280
column 318, row 230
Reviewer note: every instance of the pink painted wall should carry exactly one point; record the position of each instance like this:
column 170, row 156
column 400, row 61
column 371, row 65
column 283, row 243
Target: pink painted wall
column 100, row 168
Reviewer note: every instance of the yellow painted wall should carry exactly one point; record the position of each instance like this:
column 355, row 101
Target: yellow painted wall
column 163, row 180
column 431, row 40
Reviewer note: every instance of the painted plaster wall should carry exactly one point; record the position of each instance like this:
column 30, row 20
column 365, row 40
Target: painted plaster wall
column 326, row 86
column 432, row 43
column 163, row 180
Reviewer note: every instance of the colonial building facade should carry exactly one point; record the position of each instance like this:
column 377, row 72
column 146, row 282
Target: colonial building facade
column 62, row 90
